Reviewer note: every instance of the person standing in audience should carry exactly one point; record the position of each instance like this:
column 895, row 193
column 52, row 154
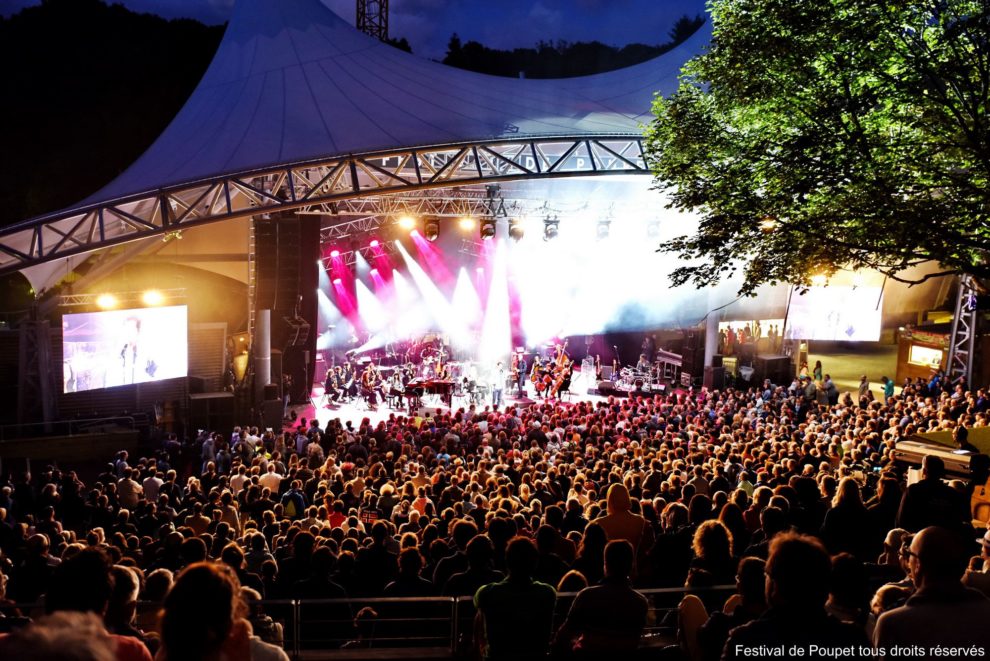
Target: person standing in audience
column 516, row 613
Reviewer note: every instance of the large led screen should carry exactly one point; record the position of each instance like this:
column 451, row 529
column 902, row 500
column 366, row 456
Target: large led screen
column 848, row 314
column 123, row 347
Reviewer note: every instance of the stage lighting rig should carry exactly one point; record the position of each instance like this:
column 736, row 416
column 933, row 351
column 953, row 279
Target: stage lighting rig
column 431, row 229
column 487, row 228
column 550, row 227
column 516, row 229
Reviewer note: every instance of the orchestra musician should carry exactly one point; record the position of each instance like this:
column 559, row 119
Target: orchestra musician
column 369, row 386
column 332, row 390
column 562, row 381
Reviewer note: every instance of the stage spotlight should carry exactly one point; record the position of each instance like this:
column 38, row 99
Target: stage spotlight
column 516, row 229
column 431, row 229
column 335, row 254
column 603, row 228
column 106, row 301
column 373, row 272
column 653, row 229
column 152, row 297
column 337, row 281
column 550, row 228
column 374, row 243
column 466, row 223
column 488, row 228
column 407, row 222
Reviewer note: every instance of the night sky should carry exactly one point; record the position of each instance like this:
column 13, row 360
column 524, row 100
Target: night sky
column 428, row 24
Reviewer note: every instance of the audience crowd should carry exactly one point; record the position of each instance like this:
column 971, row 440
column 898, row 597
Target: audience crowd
column 791, row 499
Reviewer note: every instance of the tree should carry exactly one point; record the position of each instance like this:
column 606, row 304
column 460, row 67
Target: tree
column 816, row 135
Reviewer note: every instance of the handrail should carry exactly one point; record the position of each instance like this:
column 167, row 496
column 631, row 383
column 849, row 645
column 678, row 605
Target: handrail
column 461, row 606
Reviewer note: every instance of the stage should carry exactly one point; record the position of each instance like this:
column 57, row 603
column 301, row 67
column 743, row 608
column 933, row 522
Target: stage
column 357, row 409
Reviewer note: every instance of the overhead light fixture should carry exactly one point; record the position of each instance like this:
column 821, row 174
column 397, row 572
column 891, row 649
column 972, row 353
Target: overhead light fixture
column 337, row 281
column 106, row 301
column 488, row 228
column 334, row 254
column 407, row 222
column 152, row 297
column 466, row 223
column 431, row 229
column 516, row 229
column 550, row 228
column 603, row 228
column 374, row 243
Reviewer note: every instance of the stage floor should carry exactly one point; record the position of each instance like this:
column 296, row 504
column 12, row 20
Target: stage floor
column 357, row 409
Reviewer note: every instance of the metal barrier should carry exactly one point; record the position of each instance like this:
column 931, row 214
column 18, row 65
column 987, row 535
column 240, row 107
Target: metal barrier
column 428, row 627
column 66, row 427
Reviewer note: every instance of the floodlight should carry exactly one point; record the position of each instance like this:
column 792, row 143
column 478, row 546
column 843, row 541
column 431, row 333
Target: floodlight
column 466, row 223
column 516, row 229
column 550, row 228
column 431, row 229
column 488, row 228
column 407, row 222
column 603, row 228
column 106, row 301
column 152, row 297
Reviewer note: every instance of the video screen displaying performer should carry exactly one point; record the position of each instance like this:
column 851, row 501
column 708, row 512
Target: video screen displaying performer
column 123, row 347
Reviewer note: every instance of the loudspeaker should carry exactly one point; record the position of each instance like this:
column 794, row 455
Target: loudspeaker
column 776, row 368
column 213, row 411
column 714, row 377
column 197, row 384
column 717, row 360
column 271, row 414
column 277, row 367
column 276, row 254
column 271, row 392
column 297, row 333
column 606, row 372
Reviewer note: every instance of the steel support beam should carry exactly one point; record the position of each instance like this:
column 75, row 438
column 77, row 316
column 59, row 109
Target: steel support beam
column 962, row 342
column 312, row 183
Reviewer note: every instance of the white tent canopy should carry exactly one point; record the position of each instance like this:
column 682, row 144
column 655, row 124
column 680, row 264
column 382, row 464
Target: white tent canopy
column 292, row 81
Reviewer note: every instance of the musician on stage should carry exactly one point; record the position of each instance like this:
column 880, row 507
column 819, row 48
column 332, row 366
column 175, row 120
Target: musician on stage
column 521, row 374
column 498, row 383
column 369, row 386
column 332, row 390
column 644, row 363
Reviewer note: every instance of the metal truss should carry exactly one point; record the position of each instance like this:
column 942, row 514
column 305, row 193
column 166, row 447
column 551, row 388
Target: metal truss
column 123, row 298
column 448, row 203
column 962, row 342
column 312, row 183
column 372, row 18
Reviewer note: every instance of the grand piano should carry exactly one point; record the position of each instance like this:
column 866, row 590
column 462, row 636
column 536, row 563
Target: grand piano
column 416, row 388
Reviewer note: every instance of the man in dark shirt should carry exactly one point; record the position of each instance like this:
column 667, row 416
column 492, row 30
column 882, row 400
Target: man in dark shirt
column 931, row 502
column 606, row 620
column 797, row 587
column 517, row 612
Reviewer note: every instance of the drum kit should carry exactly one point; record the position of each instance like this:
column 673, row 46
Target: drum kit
column 632, row 379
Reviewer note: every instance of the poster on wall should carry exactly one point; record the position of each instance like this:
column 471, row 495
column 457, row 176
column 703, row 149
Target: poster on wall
column 123, row 347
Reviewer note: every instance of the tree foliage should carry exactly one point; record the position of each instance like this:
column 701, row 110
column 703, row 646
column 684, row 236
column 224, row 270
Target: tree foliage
column 816, row 135
column 562, row 59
